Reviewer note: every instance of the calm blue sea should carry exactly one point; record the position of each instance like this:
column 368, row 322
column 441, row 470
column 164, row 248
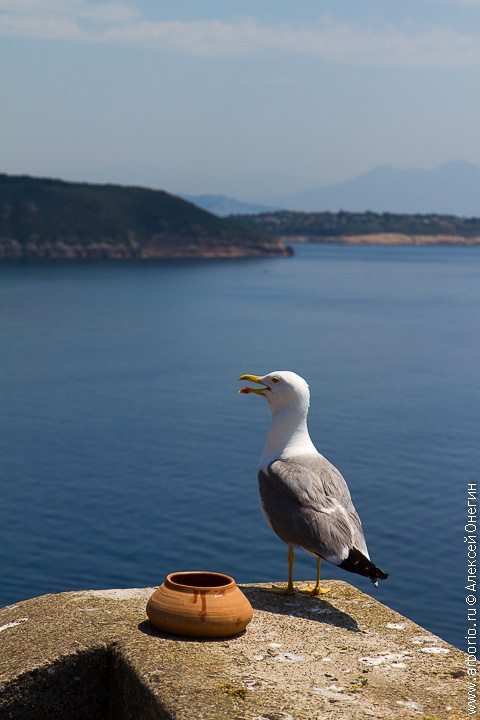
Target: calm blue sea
column 127, row 453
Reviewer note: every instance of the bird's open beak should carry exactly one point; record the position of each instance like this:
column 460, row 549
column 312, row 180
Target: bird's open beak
column 253, row 379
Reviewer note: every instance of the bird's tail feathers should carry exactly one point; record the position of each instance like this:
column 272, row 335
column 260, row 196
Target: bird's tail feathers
column 357, row 562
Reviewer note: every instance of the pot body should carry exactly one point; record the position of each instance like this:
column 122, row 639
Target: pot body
column 199, row 604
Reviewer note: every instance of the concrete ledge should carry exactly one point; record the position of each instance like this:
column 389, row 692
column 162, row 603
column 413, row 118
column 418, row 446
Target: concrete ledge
column 95, row 655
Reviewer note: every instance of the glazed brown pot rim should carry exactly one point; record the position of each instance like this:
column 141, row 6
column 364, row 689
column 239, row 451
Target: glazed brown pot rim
column 203, row 588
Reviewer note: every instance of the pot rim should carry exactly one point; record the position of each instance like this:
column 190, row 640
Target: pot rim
column 203, row 588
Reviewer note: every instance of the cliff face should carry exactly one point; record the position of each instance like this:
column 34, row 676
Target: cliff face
column 41, row 219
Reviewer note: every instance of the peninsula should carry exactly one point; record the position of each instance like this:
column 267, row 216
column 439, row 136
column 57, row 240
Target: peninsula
column 365, row 228
column 52, row 219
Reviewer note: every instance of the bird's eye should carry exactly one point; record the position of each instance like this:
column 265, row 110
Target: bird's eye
column 275, row 380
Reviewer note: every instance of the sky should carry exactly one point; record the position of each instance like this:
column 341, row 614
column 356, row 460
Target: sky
column 254, row 100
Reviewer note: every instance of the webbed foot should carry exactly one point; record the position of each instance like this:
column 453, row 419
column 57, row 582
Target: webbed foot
column 277, row 590
column 314, row 591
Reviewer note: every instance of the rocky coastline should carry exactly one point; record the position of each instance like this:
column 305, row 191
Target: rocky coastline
column 35, row 251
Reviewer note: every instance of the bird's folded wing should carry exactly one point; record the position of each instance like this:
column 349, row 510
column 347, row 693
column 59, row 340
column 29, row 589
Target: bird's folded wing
column 307, row 503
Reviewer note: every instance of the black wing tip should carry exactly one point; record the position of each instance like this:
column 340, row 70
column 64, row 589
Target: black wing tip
column 381, row 576
column 357, row 562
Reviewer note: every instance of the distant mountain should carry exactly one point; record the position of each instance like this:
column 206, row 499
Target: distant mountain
column 452, row 188
column 222, row 206
column 44, row 218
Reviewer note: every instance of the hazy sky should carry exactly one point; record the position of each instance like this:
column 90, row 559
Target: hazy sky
column 250, row 99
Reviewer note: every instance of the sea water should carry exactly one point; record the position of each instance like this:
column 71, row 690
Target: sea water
column 127, row 453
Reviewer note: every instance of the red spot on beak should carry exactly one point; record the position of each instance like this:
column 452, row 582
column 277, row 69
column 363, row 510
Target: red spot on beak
column 245, row 391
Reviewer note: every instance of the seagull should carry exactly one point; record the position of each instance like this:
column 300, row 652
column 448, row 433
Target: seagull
column 304, row 498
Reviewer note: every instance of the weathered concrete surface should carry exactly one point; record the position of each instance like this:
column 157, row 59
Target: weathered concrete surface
column 95, row 655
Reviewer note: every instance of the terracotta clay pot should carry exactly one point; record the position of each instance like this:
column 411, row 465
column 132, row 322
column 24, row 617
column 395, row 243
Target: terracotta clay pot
column 199, row 604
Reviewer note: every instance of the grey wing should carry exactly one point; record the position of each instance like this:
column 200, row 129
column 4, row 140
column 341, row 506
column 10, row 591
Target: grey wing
column 336, row 487
column 307, row 502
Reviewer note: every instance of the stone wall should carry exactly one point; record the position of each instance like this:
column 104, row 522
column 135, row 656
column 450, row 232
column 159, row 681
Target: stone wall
column 94, row 655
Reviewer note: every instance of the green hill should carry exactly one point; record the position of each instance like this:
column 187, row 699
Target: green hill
column 44, row 218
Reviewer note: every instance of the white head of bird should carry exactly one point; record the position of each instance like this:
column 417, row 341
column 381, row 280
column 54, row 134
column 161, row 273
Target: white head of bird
column 288, row 396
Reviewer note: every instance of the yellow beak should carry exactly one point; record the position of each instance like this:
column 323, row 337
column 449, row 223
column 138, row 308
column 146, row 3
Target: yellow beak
column 253, row 379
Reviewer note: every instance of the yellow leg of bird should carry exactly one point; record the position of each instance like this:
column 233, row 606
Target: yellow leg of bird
column 289, row 590
column 317, row 590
